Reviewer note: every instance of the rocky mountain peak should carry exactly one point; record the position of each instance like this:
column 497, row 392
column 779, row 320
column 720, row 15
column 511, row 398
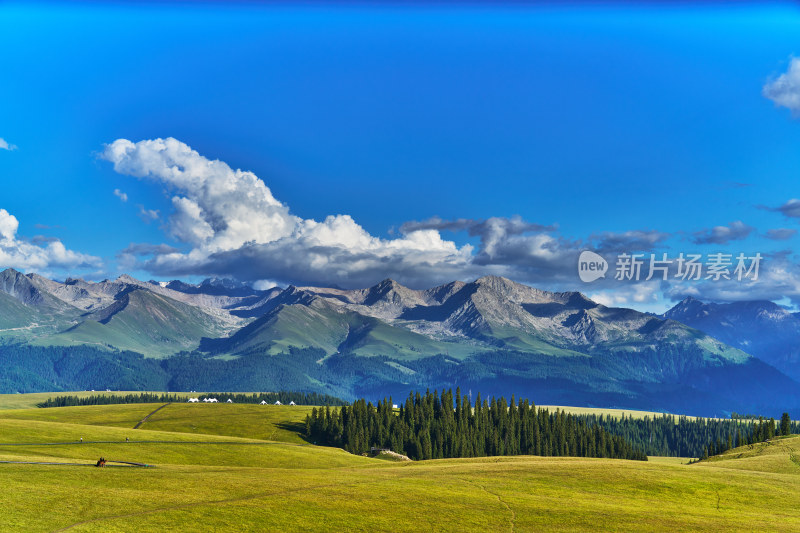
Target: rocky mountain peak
column 19, row 286
column 688, row 307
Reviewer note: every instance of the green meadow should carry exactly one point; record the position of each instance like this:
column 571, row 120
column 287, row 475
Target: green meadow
column 26, row 401
column 222, row 467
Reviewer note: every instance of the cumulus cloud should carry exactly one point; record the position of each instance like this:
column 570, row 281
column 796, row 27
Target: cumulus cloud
column 790, row 209
column 216, row 208
column 15, row 252
column 735, row 231
column 511, row 246
column 785, row 89
column 5, row 145
column 781, row 234
column 121, row 195
column 235, row 226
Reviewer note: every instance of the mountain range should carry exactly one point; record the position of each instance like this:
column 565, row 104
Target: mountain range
column 761, row 328
column 491, row 335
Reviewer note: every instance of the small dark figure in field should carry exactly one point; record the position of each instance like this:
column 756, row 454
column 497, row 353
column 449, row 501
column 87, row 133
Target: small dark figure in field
column 101, row 462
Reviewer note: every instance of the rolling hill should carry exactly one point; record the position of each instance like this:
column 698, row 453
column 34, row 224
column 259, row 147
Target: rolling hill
column 199, row 480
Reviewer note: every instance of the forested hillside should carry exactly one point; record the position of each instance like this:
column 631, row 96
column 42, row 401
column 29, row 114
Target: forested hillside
column 430, row 426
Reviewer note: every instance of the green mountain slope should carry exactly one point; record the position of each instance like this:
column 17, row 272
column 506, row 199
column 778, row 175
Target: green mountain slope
column 333, row 330
column 143, row 322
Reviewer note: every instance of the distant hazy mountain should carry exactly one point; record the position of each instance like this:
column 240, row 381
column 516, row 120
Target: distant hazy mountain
column 760, row 328
column 491, row 335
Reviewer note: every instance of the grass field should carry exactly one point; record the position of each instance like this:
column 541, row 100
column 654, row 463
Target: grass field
column 26, row 401
column 613, row 413
column 245, row 468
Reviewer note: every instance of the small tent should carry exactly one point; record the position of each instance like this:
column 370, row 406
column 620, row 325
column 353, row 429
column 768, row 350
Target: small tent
column 229, row 401
column 292, row 403
column 263, row 402
column 193, row 400
column 278, row 403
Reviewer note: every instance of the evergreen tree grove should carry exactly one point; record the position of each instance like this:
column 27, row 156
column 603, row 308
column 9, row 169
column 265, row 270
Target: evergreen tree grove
column 431, row 426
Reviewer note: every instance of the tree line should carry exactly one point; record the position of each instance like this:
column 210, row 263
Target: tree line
column 300, row 398
column 761, row 431
column 682, row 436
column 431, row 426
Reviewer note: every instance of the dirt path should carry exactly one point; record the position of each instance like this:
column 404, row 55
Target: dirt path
column 513, row 518
column 143, row 420
column 128, row 463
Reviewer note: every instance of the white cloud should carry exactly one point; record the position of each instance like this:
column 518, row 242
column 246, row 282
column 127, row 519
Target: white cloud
column 735, row 231
column 121, row 195
column 18, row 253
column 148, row 215
column 785, row 89
column 216, row 208
column 643, row 294
column 5, row 145
column 234, row 225
column 264, row 284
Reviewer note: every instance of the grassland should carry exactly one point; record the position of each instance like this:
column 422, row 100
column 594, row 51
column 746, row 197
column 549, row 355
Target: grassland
column 244, row 468
column 27, row 401
column 612, row 413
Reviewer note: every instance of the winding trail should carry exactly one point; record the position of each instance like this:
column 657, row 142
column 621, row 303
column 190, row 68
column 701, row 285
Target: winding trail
column 128, row 463
column 512, row 520
column 143, row 420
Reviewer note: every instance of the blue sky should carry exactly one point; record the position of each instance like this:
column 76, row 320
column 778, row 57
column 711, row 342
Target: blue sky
column 600, row 120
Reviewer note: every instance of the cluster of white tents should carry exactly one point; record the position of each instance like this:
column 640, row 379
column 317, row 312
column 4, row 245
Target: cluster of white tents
column 214, row 400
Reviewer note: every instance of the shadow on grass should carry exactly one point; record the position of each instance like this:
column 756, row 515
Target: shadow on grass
column 295, row 427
